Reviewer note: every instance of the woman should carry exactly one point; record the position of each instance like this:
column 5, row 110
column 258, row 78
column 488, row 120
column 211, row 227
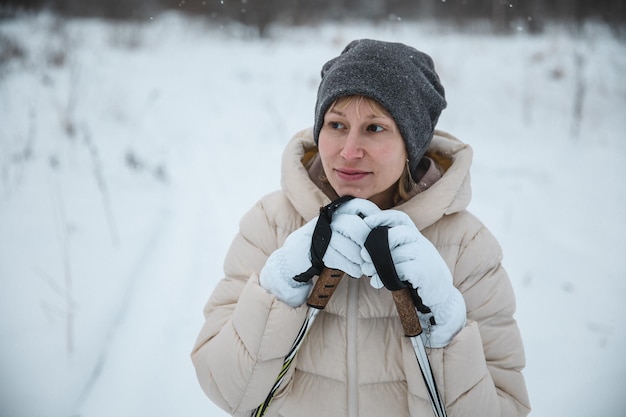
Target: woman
column 374, row 139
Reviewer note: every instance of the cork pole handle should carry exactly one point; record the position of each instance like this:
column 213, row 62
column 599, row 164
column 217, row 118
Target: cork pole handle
column 324, row 288
column 406, row 310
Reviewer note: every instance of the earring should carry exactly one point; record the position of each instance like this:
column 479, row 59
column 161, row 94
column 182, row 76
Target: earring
column 410, row 179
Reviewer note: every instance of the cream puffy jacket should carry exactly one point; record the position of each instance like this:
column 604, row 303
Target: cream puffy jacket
column 355, row 360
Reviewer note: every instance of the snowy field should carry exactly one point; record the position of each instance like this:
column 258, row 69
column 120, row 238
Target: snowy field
column 128, row 153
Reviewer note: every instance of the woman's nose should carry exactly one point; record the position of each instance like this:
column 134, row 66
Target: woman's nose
column 353, row 146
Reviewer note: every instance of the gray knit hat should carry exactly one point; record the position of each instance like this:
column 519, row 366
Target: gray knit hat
column 402, row 79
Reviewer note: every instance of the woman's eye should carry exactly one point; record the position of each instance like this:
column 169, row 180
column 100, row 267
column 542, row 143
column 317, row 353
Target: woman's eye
column 335, row 125
column 375, row 128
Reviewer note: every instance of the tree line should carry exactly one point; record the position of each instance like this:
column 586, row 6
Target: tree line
column 504, row 15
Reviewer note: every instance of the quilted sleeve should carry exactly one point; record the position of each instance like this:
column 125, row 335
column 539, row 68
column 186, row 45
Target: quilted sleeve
column 247, row 331
column 482, row 367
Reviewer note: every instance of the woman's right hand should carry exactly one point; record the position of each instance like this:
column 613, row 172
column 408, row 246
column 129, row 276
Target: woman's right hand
column 349, row 232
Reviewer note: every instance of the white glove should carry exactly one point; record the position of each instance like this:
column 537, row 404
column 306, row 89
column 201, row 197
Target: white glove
column 418, row 262
column 349, row 231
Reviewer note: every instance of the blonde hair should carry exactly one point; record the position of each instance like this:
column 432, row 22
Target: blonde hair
column 343, row 102
column 406, row 186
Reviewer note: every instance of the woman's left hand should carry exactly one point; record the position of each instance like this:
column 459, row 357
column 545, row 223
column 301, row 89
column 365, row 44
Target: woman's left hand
column 418, row 262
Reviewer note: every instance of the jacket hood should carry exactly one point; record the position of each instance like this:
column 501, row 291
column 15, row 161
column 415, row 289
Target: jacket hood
column 450, row 194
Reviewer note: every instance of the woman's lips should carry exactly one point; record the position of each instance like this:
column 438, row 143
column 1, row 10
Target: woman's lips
column 350, row 174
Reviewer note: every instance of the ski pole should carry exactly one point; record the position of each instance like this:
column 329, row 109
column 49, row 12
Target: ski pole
column 322, row 291
column 412, row 329
column 327, row 282
column 378, row 247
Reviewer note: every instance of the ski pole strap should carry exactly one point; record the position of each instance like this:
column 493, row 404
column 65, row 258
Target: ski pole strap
column 321, row 238
column 377, row 244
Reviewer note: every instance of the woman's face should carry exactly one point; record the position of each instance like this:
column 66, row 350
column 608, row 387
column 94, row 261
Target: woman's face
column 362, row 151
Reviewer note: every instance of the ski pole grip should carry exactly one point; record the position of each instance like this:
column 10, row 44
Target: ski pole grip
column 406, row 310
column 324, row 288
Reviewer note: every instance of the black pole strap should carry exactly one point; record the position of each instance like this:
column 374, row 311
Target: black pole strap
column 321, row 238
column 377, row 244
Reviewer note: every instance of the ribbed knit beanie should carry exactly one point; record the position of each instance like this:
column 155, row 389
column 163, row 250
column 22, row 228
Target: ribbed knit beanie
column 402, row 79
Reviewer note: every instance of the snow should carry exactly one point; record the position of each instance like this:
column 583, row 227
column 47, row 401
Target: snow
column 129, row 152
